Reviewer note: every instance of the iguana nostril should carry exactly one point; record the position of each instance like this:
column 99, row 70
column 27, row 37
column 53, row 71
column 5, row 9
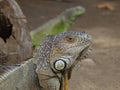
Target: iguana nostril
column 89, row 37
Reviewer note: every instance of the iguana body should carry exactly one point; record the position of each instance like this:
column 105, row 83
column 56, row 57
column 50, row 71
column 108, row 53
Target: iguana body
column 66, row 48
column 20, row 78
column 57, row 56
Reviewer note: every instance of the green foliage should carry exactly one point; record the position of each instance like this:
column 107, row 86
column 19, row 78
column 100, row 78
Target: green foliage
column 57, row 25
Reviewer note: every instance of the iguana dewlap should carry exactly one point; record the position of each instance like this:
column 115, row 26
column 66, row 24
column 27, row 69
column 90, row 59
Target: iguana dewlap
column 57, row 56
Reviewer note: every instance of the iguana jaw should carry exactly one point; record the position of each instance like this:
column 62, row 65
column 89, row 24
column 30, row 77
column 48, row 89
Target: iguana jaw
column 78, row 49
column 67, row 74
column 84, row 53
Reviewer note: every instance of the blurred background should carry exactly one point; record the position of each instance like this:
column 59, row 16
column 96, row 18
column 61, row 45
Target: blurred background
column 101, row 71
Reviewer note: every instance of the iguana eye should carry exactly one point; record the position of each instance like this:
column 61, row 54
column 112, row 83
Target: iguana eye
column 70, row 39
column 60, row 65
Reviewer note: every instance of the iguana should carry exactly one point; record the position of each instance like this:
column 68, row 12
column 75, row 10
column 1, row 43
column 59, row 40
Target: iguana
column 53, row 63
column 57, row 56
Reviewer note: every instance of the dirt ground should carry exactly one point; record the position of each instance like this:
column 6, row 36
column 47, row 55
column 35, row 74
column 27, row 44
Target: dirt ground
column 103, row 25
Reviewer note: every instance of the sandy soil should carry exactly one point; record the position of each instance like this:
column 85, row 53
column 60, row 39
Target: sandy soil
column 103, row 25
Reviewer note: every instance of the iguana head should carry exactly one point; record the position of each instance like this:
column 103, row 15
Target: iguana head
column 58, row 54
column 72, row 13
column 68, row 47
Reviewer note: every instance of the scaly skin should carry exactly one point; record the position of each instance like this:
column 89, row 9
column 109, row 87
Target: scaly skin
column 57, row 56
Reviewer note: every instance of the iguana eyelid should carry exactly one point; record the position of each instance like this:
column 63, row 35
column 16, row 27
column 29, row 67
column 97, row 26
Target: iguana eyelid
column 70, row 39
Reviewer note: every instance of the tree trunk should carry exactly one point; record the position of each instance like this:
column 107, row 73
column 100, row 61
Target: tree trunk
column 15, row 42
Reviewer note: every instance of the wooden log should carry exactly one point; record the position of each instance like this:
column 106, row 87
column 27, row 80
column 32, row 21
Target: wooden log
column 15, row 42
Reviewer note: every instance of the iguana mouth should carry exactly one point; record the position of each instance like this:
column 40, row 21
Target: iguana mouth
column 67, row 73
column 82, row 50
column 84, row 53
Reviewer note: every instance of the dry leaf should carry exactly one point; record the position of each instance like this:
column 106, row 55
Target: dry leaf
column 106, row 6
